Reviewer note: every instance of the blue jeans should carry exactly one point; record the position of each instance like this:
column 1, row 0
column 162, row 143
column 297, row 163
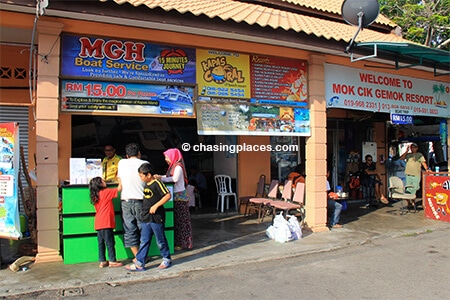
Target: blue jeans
column 106, row 236
column 337, row 208
column 131, row 226
column 147, row 231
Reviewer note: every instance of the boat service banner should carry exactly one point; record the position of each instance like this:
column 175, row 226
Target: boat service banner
column 105, row 59
column 126, row 98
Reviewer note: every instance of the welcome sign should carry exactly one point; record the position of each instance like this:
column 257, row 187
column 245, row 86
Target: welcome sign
column 359, row 89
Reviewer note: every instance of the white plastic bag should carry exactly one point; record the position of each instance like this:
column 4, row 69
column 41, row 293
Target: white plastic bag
column 295, row 228
column 270, row 232
column 282, row 232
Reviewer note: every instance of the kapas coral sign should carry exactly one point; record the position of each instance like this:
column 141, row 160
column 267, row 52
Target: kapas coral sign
column 358, row 89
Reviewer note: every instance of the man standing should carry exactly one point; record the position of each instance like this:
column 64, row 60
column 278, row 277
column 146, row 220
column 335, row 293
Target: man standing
column 131, row 195
column 413, row 170
column 110, row 163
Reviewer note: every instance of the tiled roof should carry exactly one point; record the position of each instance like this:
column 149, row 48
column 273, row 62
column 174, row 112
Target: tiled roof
column 334, row 7
column 269, row 17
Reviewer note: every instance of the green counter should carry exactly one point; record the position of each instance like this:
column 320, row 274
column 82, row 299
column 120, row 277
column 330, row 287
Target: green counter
column 78, row 234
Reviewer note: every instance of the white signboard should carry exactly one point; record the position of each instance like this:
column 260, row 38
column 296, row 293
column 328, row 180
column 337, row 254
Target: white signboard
column 359, row 89
column 78, row 171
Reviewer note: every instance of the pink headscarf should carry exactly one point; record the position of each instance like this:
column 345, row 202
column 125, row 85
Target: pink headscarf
column 176, row 159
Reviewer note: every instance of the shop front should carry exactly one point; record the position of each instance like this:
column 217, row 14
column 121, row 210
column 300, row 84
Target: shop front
column 120, row 79
column 381, row 114
column 170, row 96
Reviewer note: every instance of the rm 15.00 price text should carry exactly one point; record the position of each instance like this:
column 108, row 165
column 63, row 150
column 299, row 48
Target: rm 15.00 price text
column 97, row 89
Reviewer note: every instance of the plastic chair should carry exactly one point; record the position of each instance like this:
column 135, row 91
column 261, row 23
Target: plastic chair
column 245, row 200
column 224, row 191
column 397, row 192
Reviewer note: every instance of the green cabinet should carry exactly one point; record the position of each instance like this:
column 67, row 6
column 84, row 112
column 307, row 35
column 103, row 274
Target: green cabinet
column 79, row 239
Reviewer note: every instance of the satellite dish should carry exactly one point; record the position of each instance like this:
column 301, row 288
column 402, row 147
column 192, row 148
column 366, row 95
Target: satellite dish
column 360, row 13
column 352, row 9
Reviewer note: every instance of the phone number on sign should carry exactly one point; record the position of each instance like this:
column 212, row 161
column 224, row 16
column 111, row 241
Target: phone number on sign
column 361, row 104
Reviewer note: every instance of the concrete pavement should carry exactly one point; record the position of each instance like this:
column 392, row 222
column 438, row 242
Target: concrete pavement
column 223, row 240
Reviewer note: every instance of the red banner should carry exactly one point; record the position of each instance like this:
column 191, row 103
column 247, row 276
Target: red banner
column 436, row 196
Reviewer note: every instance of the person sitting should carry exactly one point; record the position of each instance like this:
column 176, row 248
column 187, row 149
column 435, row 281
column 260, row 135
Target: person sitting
column 371, row 178
column 334, row 207
column 198, row 180
column 298, row 175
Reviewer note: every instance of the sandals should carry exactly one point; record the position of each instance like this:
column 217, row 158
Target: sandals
column 384, row 200
column 337, row 226
column 114, row 264
column 165, row 264
column 134, row 268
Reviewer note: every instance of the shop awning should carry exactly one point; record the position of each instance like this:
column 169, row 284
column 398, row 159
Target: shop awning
column 417, row 54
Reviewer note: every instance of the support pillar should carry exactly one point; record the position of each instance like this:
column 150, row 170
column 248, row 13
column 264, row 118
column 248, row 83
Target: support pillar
column 47, row 113
column 316, row 148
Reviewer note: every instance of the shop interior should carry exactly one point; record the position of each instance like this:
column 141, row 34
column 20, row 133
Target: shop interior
column 348, row 139
column 155, row 135
column 345, row 141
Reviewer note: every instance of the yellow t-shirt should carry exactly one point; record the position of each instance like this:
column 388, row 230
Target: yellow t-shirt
column 110, row 167
column 414, row 164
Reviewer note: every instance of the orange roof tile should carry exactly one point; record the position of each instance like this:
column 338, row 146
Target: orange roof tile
column 269, row 17
column 334, row 6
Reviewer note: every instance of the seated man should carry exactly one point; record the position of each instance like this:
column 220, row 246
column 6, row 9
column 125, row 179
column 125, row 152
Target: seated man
column 198, row 180
column 335, row 206
column 370, row 177
column 297, row 175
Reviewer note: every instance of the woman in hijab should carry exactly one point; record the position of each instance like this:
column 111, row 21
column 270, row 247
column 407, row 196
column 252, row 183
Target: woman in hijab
column 176, row 173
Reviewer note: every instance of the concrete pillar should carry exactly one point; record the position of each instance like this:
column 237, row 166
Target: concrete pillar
column 316, row 148
column 47, row 111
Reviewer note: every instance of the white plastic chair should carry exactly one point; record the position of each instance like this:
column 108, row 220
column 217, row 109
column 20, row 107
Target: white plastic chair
column 397, row 191
column 224, row 191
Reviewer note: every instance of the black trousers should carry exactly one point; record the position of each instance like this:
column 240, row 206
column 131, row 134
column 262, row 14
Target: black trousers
column 105, row 238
